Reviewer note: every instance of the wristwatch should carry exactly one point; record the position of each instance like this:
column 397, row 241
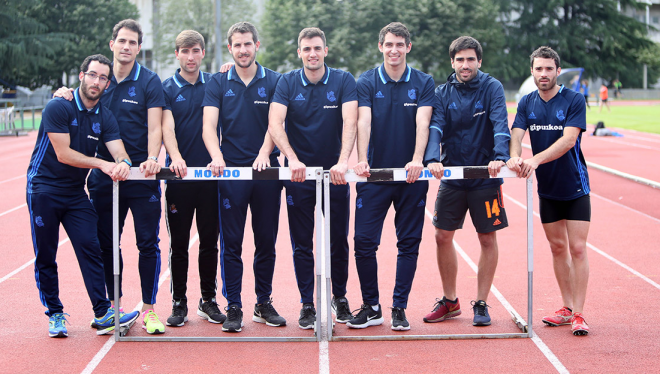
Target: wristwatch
column 127, row 162
column 153, row 158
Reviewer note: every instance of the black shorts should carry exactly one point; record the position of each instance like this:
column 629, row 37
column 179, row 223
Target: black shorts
column 556, row 210
column 486, row 209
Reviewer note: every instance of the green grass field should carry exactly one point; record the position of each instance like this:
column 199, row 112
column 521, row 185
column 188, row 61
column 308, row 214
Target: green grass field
column 644, row 118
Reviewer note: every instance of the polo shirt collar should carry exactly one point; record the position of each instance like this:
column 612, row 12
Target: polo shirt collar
column 180, row 81
column 134, row 74
column 323, row 80
column 233, row 75
column 385, row 78
column 81, row 106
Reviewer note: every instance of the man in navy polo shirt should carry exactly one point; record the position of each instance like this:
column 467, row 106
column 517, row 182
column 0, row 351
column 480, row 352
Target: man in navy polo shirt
column 182, row 136
column 319, row 105
column 63, row 154
column 135, row 97
column 469, row 128
column 237, row 104
column 556, row 119
column 395, row 107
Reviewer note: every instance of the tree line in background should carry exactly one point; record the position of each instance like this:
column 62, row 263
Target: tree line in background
column 40, row 40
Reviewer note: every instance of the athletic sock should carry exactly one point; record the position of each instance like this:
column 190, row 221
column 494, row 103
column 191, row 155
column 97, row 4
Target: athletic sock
column 375, row 308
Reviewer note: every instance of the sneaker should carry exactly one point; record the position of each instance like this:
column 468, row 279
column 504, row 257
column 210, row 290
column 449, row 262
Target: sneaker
column 366, row 317
column 209, row 310
column 307, row 318
column 106, row 324
column 399, row 321
column 579, row 325
column 266, row 313
column 151, row 323
column 481, row 316
column 179, row 313
column 234, row 320
column 442, row 310
column 341, row 309
column 57, row 326
column 562, row 317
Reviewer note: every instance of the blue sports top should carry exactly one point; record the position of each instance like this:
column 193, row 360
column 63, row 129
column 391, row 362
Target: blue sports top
column 184, row 100
column 87, row 130
column 471, row 122
column 129, row 101
column 314, row 121
column 565, row 178
column 393, row 113
column 243, row 119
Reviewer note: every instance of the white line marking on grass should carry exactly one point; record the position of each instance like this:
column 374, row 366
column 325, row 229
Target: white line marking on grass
column 547, row 352
column 12, row 179
column 96, row 360
column 12, row 209
column 27, row 264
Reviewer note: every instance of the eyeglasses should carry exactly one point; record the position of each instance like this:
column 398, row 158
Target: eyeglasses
column 93, row 76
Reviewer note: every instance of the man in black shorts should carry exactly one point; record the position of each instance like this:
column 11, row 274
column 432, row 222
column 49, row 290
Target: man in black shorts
column 469, row 127
column 556, row 118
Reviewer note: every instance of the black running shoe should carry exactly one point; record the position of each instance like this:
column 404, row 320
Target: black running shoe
column 366, row 317
column 399, row 321
column 266, row 313
column 481, row 316
column 209, row 310
column 341, row 309
column 234, row 321
column 307, row 316
column 179, row 313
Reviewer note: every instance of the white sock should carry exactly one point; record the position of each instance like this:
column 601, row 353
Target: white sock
column 375, row 307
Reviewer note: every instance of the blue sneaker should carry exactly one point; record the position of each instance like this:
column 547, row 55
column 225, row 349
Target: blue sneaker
column 57, row 326
column 106, row 324
column 481, row 317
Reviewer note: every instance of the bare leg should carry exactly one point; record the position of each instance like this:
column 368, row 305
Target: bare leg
column 577, row 241
column 557, row 236
column 487, row 264
column 447, row 261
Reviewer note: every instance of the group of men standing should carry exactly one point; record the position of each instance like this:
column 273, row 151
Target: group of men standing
column 248, row 115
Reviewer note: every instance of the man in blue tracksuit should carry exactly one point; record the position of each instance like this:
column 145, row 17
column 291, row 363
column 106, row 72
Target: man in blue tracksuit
column 469, row 128
column 395, row 106
column 319, row 105
column 68, row 137
column 182, row 136
column 236, row 109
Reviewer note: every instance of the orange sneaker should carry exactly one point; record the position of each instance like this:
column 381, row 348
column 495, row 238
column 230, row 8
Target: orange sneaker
column 562, row 317
column 579, row 325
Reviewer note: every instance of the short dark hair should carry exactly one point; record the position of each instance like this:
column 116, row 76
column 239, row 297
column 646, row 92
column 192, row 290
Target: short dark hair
column 463, row 43
column 396, row 29
column 544, row 52
column 101, row 60
column 243, row 28
column 130, row 24
column 188, row 38
column 311, row 32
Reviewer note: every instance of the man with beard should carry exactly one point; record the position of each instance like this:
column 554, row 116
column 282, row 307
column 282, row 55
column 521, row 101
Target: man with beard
column 63, row 154
column 182, row 136
column 395, row 107
column 236, row 110
column 556, row 119
column 319, row 105
column 469, row 127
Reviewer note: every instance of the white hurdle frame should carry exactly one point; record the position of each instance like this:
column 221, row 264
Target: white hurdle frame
column 466, row 172
column 230, row 173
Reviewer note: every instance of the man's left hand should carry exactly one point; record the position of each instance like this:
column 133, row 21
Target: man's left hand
column 149, row 168
column 338, row 173
column 414, row 169
column 494, row 168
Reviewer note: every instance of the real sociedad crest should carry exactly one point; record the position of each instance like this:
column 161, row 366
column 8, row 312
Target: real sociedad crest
column 478, row 105
column 262, row 91
column 412, row 94
column 560, row 115
column 96, row 127
column 331, row 96
column 131, row 92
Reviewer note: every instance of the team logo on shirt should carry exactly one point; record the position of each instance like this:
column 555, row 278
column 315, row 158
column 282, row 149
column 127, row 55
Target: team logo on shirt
column 300, row 97
column 261, row 91
column 358, row 203
column 173, row 209
column 96, row 127
column 153, row 199
column 531, row 116
column 331, row 96
column 230, row 93
column 226, row 203
column 180, row 99
column 453, row 105
column 379, row 95
column 560, row 115
column 131, row 91
column 421, row 203
column 412, row 94
column 39, row 221
column 74, row 122
column 478, row 105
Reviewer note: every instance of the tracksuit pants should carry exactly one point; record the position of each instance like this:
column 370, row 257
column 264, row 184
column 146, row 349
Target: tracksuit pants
column 183, row 200
column 372, row 203
column 301, row 200
column 143, row 199
column 77, row 216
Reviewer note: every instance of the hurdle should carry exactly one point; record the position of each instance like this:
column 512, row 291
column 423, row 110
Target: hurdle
column 466, row 172
column 229, row 174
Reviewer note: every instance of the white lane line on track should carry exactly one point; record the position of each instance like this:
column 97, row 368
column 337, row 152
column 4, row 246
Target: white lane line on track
column 547, row 352
column 616, row 141
column 96, row 360
column 11, row 179
column 625, row 207
column 12, row 209
column 27, row 264
column 600, row 252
